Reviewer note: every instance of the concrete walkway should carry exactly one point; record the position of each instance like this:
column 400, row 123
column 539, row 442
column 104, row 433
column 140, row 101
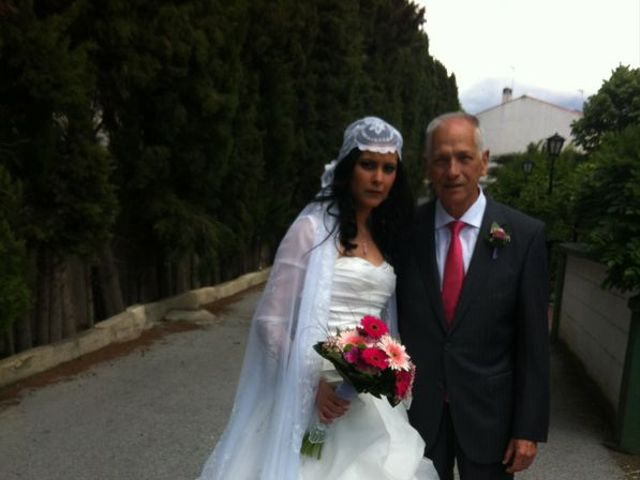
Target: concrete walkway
column 575, row 449
column 155, row 412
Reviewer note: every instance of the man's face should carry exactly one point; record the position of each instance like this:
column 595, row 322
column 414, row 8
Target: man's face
column 454, row 165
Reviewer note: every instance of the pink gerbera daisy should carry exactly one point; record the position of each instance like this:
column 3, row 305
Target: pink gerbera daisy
column 350, row 337
column 398, row 358
column 374, row 327
column 375, row 357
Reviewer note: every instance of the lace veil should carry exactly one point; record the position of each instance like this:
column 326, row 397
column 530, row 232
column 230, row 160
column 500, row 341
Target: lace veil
column 276, row 391
column 369, row 133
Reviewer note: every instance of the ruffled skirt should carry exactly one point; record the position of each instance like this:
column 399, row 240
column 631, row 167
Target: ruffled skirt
column 373, row 440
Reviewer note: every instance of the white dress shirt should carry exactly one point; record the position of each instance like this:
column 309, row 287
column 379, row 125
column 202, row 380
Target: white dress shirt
column 468, row 235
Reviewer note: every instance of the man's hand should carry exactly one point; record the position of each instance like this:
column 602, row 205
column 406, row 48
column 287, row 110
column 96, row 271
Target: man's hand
column 519, row 455
column 330, row 406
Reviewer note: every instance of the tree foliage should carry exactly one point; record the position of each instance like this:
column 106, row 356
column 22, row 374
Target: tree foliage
column 609, row 200
column 46, row 96
column 14, row 292
column 190, row 132
column 530, row 194
column 50, row 148
column 168, row 75
column 596, row 196
column 614, row 107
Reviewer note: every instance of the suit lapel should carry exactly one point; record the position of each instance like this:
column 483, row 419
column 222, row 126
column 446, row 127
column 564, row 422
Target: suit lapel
column 481, row 262
column 426, row 256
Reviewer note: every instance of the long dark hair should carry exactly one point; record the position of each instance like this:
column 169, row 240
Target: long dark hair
column 389, row 222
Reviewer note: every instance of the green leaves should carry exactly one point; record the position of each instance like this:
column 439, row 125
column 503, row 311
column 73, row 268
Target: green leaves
column 612, row 109
column 194, row 128
column 529, row 194
column 611, row 188
column 596, row 197
column 14, row 294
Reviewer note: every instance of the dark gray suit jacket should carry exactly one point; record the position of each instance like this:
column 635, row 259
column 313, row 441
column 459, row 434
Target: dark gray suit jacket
column 493, row 363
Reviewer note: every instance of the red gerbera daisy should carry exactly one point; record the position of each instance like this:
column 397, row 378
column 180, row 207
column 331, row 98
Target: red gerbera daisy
column 374, row 327
column 403, row 382
column 375, row 357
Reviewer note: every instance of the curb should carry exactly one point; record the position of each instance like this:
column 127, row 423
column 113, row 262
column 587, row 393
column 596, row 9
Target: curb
column 122, row 327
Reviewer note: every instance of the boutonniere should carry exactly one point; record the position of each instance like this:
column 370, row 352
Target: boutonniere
column 498, row 238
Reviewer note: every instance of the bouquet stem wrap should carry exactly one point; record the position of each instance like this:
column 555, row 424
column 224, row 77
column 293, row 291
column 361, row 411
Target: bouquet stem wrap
column 316, row 435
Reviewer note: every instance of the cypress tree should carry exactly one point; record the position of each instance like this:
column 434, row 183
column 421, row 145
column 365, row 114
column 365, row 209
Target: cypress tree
column 46, row 89
column 15, row 295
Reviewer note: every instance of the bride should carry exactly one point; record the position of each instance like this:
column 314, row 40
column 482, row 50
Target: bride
column 330, row 270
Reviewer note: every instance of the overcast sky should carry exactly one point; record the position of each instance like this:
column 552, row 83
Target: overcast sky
column 556, row 50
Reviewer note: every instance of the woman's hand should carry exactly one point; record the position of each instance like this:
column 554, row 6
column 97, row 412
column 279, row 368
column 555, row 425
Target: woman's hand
column 329, row 405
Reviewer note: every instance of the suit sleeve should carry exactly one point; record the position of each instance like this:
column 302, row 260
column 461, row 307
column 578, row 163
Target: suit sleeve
column 531, row 406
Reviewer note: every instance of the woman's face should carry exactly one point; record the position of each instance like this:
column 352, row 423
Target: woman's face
column 372, row 178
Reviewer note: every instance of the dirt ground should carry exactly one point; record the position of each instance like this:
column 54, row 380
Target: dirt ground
column 630, row 464
column 11, row 394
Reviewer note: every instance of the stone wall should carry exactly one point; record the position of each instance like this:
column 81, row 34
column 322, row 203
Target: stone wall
column 594, row 323
column 122, row 327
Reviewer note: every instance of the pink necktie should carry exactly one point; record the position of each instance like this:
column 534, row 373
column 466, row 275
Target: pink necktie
column 453, row 273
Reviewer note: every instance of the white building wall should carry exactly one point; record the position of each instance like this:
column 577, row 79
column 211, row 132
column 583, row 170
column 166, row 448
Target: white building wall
column 511, row 126
column 594, row 323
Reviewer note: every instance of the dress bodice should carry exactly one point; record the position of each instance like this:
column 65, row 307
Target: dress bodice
column 359, row 288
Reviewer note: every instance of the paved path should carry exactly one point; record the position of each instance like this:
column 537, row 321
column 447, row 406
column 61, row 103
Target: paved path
column 155, row 414
column 575, row 449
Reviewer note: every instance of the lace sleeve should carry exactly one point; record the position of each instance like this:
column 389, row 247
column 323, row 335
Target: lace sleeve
column 282, row 292
column 277, row 383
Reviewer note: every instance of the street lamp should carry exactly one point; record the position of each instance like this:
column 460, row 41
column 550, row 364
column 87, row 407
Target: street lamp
column 554, row 145
column 527, row 167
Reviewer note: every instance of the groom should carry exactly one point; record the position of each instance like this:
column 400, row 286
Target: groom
column 472, row 303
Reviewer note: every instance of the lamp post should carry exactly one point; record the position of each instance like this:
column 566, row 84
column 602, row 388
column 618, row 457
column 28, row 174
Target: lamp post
column 527, row 167
column 554, row 146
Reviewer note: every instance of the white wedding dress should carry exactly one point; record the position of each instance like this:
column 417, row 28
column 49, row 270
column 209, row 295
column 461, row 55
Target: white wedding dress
column 373, row 440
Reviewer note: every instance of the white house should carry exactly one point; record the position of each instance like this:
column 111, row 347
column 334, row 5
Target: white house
column 515, row 123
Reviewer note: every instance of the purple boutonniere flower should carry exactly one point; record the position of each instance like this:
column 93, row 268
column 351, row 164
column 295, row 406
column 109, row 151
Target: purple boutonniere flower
column 497, row 238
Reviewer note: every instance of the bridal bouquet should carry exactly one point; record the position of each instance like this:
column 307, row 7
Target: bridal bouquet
column 369, row 361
